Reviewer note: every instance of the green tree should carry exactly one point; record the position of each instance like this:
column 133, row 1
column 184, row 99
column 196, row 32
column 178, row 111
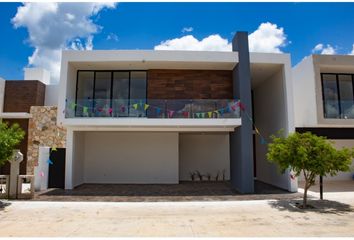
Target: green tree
column 310, row 154
column 10, row 137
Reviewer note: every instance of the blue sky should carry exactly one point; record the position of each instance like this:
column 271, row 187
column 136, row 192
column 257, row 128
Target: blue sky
column 296, row 27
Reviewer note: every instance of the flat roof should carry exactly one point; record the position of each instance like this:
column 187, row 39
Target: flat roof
column 150, row 59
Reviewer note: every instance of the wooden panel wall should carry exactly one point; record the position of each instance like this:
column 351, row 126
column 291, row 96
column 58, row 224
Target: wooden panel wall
column 189, row 84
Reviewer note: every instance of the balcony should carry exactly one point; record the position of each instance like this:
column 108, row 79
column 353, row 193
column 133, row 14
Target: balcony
column 153, row 114
column 153, row 108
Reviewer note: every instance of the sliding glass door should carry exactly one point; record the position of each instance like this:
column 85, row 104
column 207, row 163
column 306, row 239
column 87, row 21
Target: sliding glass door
column 102, row 94
column 120, row 94
column 111, row 93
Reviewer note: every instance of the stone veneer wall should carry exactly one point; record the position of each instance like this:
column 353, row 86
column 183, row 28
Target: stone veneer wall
column 43, row 131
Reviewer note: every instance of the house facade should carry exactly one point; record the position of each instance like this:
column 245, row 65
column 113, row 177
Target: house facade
column 324, row 100
column 157, row 117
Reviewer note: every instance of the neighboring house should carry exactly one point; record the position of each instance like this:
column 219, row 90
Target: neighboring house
column 156, row 116
column 324, row 99
column 16, row 99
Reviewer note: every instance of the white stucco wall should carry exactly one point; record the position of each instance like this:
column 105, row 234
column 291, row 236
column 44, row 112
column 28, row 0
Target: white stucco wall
column 41, row 172
column 131, row 157
column 39, row 74
column 205, row 152
column 270, row 114
column 79, row 157
column 51, row 95
column 304, row 93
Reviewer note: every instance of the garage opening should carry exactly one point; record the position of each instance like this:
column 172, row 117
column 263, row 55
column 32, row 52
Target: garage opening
column 125, row 158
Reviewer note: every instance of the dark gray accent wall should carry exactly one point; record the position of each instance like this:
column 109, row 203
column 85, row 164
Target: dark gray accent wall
column 241, row 142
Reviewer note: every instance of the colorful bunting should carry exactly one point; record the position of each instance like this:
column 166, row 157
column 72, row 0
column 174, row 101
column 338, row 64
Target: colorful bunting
column 158, row 111
column 209, row 114
column 256, row 129
column 146, row 106
column 54, row 149
column 122, row 108
column 110, row 110
column 170, row 113
column 135, row 106
column 73, row 105
column 242, row 108
column 185, row 114
column 49, row 161
column 241, row 105
column 85, row 110
column 41, row 174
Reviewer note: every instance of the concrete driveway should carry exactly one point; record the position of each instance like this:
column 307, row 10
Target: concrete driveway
column 206, row 219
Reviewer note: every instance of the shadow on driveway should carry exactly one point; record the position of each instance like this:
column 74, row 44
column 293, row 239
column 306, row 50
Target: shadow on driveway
column 319, row 206
column 3, row 205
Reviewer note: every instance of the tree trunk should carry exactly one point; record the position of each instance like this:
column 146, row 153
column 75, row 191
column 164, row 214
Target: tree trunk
column 304, row 204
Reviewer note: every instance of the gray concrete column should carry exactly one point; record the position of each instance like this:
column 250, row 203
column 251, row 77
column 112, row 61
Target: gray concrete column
column 241, row 140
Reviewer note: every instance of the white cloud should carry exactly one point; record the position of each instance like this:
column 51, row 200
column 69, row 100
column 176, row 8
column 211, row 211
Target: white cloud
column 55, row 26
column 329, row 50
column 113, row 37
column 352, row 52
column 267, row 38
column 189, row 42
column 187, row 29
column 322, row 49
column 317, row 48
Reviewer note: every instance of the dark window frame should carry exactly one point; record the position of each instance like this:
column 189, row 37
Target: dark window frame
column 111, row 86
column 338, row 92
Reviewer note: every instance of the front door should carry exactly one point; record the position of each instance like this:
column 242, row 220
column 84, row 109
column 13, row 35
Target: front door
column 56, row 177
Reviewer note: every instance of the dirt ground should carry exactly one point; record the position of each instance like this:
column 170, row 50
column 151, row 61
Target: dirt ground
column 331, row 217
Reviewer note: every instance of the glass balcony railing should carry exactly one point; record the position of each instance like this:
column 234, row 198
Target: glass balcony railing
column 153, row 108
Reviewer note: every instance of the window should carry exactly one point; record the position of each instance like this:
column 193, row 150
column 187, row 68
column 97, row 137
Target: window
column 338, row 95
column 111, row 93
column 346, row 95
